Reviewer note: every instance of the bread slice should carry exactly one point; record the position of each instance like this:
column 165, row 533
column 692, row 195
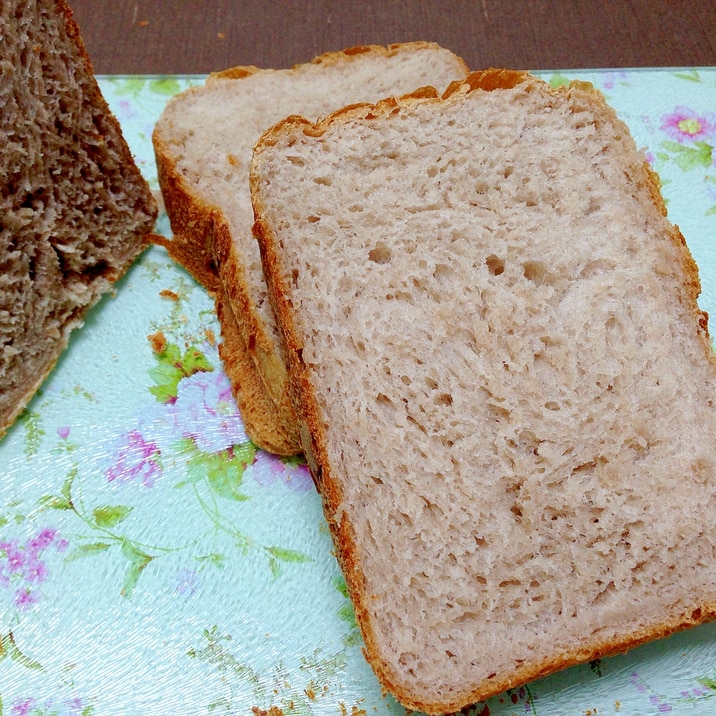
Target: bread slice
column 203, row 143
column 75, row 209
column 504, row 383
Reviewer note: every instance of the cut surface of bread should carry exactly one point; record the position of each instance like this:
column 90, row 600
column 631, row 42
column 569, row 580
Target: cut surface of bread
column 75, row 209
column 203, row 143
column 504, row 383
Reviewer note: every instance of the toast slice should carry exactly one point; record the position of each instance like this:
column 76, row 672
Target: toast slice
column 504, row 383
column 203, row 143
column 75, row 208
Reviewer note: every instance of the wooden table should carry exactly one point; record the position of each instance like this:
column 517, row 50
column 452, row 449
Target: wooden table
column 198, row 36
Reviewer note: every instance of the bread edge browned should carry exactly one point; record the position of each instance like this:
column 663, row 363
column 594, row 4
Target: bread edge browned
column 260, row 366
column 258, row 412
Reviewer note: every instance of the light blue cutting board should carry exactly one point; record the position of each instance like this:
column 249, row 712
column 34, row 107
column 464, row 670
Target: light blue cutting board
column 152, row 561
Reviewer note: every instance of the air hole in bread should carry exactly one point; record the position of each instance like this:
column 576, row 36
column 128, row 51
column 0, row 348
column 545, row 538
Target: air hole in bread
column 380, row 254
column 495, row 264
column 596, row 267
column 593, row 206
column 313, row 219
column 442, row 272
column 417, row 424
column 516, row 510
column 325, row 181
column 509, row 583
column 534, row 271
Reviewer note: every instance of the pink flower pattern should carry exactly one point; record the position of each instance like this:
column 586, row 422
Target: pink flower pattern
column 137, row 458
column 267, row 469
column 205, row 411
column 30, row 707
column 22, row 570
column 686, row 125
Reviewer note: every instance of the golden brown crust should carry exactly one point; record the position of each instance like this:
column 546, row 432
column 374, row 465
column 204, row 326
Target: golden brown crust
column 234, row 73
column 258, row 412
column 313, row 438
column 335, row 57
column 601, row 649
column 313, row 424
column 260, row 365
column 192, row 220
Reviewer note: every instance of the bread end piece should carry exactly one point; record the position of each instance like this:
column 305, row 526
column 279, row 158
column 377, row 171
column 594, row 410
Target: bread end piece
column 76, row 210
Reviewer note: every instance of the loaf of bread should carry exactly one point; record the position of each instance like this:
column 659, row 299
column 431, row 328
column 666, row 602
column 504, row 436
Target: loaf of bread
column 203, row 143
column 504, row 383
column 75, row 209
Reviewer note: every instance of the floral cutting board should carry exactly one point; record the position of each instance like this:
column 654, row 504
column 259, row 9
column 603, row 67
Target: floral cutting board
column 153, row 561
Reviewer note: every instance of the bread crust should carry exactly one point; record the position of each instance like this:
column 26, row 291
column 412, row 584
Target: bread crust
column 258, row 412
column 192, row 219
column 201, row 243
column 277, row 430
column 313, row 422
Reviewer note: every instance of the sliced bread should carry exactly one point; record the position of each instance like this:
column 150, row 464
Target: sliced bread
column 504, row 384
column 75, row 209
column 203, row 143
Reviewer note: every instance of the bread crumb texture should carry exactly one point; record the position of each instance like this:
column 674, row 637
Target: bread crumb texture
column 512, row 391
column 74, row 208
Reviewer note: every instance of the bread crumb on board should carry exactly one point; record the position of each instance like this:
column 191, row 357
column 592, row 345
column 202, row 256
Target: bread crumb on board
column 272, row 711
column 158, row 341
column 171, row 295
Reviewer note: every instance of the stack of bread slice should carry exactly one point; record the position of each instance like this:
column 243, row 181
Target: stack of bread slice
column 489, row 339
column 203, row 143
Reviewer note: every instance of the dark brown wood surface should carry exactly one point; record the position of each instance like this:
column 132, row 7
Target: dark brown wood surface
column 198, row 36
